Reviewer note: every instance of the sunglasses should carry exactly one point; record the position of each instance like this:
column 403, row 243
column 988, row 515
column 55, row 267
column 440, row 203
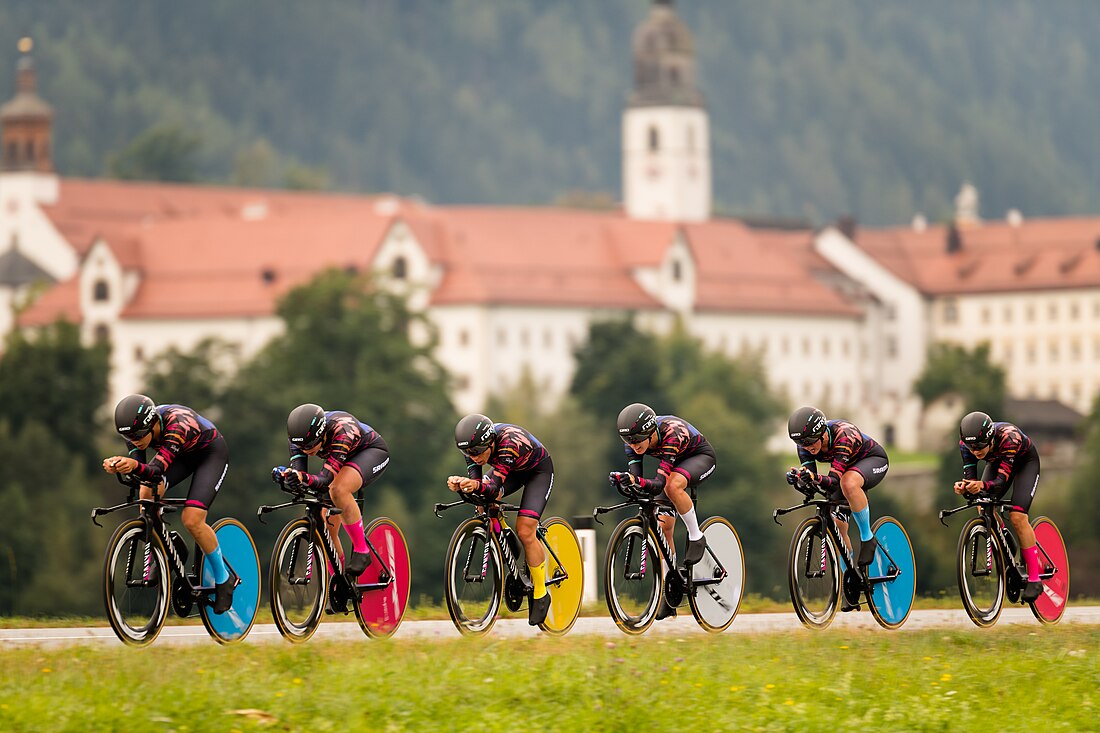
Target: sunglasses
column 977, row 446
column 634, row 439
column 475, row 450
column 808, row 441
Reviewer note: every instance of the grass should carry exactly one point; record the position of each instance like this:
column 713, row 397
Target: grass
column 919, row 681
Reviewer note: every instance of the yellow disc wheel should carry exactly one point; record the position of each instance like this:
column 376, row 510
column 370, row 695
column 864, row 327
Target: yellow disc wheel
column 564, row 576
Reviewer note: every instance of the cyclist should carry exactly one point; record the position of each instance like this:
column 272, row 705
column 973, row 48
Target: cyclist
column 185, row 444
column 857, row 463
column 516, row 459
column 1011, row 461
column 685, row 458
column 354, row 456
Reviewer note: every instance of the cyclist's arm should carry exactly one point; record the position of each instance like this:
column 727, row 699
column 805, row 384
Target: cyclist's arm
column 969, row 461
column 298, row 460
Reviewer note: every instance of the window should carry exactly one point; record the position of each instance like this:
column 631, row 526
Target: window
column 891, row 347
column 100, row 291
column 13, row 153
column 986, row 315
column 1052, row 311
column 1052, row 348
column 1029, row 312
column 502, row 337
column 950, row 311
column 102, row 333
column 1074, row 310
column 400, row 268
column 463, row 337
column 654, row 140
column 548, row 339
column 805, row 347
column 1008, row 314
column 1075, row 350
column 676, row 270
column 691, row 139
column 825, row 347
column 139, row 354
column 29, row 152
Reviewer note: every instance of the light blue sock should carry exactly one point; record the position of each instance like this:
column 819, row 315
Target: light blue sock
column 863, row 521
column 217, row 565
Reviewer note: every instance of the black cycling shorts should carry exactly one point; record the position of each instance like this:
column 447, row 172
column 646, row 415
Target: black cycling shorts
column 370, row 462
column 873, row 469
column 1023, row 480
column 537, row 482
column 696, row 468
column 206, row 466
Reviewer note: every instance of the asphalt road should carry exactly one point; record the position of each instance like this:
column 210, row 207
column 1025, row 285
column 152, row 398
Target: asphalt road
column 684, row 624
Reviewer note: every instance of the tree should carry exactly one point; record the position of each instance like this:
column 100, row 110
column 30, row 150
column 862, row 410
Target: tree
column 954, row 369
column 198, row 378
column 617, row 365
column 1081, row 524
column 161, row 153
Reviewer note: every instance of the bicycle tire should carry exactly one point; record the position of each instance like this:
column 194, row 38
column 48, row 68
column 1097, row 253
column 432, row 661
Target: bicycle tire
column 812, row 551
column 299, row 583
column 891, row 601
column 715, row 606
column 1051, row 603
column 565, row 597
column 136, row 608
column 239, row 552
column 381, row 610
column 473, row 599
column 980, row 567
column 633, row 580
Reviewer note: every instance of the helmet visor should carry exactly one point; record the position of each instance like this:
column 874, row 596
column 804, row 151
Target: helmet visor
column 808, row 440
column 976, row 443
column 635, row 439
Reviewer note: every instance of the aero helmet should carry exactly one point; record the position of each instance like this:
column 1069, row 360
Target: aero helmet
column 474, row 432
column 305, row 426
column 636, row 422
column 976, row 430
column 134, row 416
column 806, row 425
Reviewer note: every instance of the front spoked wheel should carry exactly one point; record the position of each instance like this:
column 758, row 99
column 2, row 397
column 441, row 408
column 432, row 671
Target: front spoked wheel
column 135, row 589
column 564, row 576
column 380, row 610
column 892, row 598
column 1054, row 572
column 474, row 578
column 633, row 581
column 813, row 574
column 240, row 555
column 718, row 579
column 980, row 567
column 299, row 582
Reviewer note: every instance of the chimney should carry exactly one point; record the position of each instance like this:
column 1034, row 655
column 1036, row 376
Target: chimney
column 954, row 239
column 847, row 225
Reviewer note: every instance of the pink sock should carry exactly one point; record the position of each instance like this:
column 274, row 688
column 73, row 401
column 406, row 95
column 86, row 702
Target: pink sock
column 355, row 531
column 1031, row 557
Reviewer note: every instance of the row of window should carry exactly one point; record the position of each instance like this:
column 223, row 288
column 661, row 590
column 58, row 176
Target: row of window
column 1054, row 350
column 1029, row 312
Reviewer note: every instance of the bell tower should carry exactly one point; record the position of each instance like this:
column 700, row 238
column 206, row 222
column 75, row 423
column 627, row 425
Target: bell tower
column 666, row 131
column 26, row 121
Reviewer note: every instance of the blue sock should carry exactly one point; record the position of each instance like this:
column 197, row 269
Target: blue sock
column 217, row 565
column 863, row 521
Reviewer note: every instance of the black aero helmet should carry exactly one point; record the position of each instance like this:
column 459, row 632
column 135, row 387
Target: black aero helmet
column 636, row 422
column 306, row 425
column 806, row 425
column 976, row 430
column 474, row 432
column 134, row 416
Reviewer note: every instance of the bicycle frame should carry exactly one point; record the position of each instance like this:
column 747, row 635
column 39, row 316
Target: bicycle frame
column 824, row 508
column 648, row 507
column 991, row 511
column 491, row 514
column 318, row 527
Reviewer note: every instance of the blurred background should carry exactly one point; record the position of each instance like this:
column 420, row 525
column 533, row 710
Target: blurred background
column 545, row 211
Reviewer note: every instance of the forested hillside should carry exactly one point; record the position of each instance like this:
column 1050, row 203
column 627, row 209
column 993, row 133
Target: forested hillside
column 879, row 109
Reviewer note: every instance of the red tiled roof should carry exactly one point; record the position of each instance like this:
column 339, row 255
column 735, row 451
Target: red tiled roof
column 62, row 301
column 1039, row 254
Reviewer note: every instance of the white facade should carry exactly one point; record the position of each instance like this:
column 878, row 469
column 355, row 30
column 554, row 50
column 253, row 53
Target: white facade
column 666, row 163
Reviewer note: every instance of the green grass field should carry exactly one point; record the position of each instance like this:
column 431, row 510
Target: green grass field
column 970, row 680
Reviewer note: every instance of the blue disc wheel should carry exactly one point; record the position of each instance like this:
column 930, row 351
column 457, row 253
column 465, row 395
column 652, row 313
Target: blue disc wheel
column 239, row 552
column 893, row 574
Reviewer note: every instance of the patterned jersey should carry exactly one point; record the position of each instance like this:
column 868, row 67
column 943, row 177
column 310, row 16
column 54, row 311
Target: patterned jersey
column 514, row 449
column 677, row 439
column 1009, row 442
column 344, row 436
column 847, row 446
column 182, row 430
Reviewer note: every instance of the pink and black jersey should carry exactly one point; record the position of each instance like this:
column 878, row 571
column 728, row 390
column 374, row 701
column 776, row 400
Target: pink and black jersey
column 1009, row 445
column 514, row 451
column 182, row 431
column 344, row 436
column 847, row 446
column 677, row 439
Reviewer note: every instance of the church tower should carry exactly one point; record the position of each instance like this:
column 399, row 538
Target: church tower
column 26, row 122
column 666, row 132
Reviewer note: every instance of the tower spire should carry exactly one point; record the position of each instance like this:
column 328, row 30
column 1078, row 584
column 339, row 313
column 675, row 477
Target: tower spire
column 26, row 120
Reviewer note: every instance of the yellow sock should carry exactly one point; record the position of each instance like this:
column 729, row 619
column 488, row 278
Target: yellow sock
column 538, row 579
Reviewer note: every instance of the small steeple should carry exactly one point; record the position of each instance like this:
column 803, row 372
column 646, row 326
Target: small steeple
column 664, row 61
column 26, row 121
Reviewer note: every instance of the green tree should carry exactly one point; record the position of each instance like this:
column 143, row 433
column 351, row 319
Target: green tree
column 198, row 378
column 161, row 153
column 1081, row 524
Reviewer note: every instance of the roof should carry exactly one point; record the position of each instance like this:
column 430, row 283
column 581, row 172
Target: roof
column 1044, row 415
column 1037, row 254
column 18, row 269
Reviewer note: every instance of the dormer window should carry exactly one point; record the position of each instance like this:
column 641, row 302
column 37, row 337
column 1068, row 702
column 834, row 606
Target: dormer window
column 101, row 291
column 400, row 268
column 676, row 270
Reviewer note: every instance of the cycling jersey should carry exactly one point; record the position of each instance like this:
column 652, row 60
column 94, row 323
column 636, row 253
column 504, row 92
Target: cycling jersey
column 1012, row 460
column 346, row 441
column 518, row 460
column 679, row 447
column 189, row 445
column 849, row 449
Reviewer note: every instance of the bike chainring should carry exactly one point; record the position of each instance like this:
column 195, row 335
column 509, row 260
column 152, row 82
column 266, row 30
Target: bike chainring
column 674, row 588
column 182, row 599
column 852, row 586
column 1014, row 583
column 515, row 592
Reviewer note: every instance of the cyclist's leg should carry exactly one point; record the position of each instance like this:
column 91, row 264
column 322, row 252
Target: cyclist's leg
column 1025, row 481
column 360, row 469
column 861, row 477
column 538, row 483
column 210, row 467
column 690, row 471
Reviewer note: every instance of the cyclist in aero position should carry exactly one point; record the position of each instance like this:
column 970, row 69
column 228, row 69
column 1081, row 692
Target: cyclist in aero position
column 516, row 459
column 354, row 455
column 1011, row 460
column 857, row 463
column 685, row 458
column 186, row 444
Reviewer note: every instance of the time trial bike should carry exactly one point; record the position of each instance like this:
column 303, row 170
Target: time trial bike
column 820, row 565
column 639, row 568
column 485, row 565
column 145, row 570
column 304, row 579
column 990, row 567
